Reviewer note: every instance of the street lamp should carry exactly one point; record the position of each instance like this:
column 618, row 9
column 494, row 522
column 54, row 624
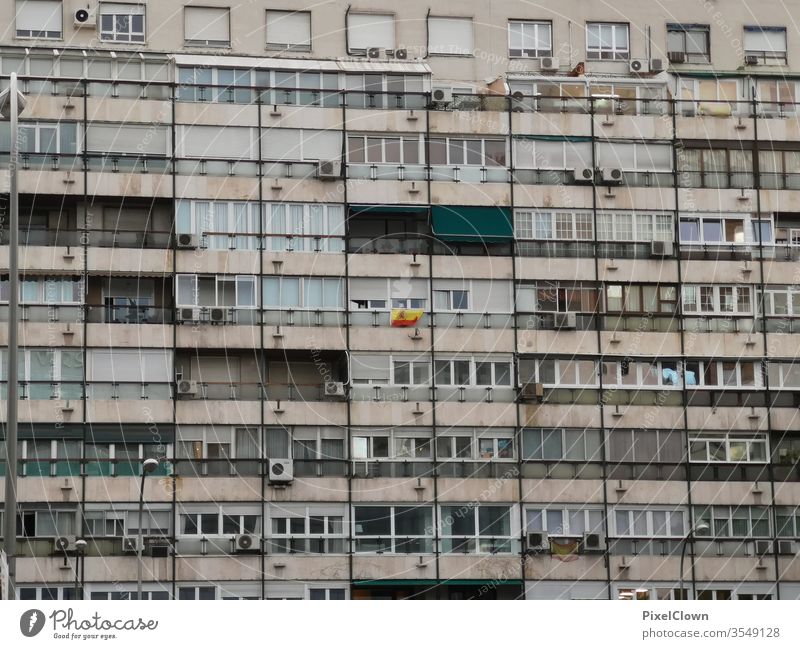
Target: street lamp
column 148, row 466
column 702, row 527
column 80, row 548
column 12, row 103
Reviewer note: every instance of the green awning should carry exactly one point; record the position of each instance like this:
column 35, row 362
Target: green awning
column 403, row 210
column 469, row 223
column 433, row 582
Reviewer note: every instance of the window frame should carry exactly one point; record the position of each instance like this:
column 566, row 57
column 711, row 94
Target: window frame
column 684, row 31
column 288, row 47
column 111, row 36
column 537, row 26
column 617, row 54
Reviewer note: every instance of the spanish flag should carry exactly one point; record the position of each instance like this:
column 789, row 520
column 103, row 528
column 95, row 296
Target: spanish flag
column 406, row 317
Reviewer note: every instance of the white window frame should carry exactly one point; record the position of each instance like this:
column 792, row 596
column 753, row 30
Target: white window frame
column 413, row 363
column 113, row 35
column 473, row 367
column 633, row 513
column 558, row 372
column 479, row 539
column 304, row 291
column 737, row 289
column 393, row 537
column 535, row 26
column 449, row 299
column 617, row 52
column 206, row 42
column 769, row 57
column 485, row 160
column 725, row 440
column 327, row 539
column 566, row 511
column 727, row 515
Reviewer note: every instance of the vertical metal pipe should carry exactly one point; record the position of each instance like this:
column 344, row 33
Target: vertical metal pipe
column 10, row 519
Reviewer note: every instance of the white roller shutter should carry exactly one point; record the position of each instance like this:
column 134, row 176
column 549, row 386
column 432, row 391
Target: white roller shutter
column 38, row 16
column 370, row 30
column 450, row 36
column 121, row 138
column 207, row 25
column 234, row 142
column 122, row 365
column 369, row 366
column 289, row 29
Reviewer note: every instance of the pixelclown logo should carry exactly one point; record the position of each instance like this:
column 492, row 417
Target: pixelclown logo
column 31, row 622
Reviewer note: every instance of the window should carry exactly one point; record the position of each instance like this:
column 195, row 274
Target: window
column 450, row 36
column 788, row 521
column 716, row 229
column 221, row 290
column 297, row 529
column 767, row 44
column 648, row 522
column 460, row 152
column 733, row 521
column 207, row 26
column 39, row 19
column 219, row 522
column 123, row 23
column 530, row 38
column 383, row 150
column 483, row 529
column 550, row 154
column 549, row 225
column 326, row 593
column 716, row 299
column 304, row 227
column 607, row 41
column 303, row 292
column 784, row 375
column 410, row 372
column 396, row 529
column 451, row 300
column 635, row 157
column 479, row 444
column 728, row 447
column 638, row 298
column 367, row 30
column 562, row 444
column 471, row 371
column 564, row 520
column 45, row 290
column 197, row 592
column 634, row 227
column 289, row 30
column 564, row 372
column 46, row 523
column 688, row 43
column 48, row 138
column 47, row 373
column 782, row 300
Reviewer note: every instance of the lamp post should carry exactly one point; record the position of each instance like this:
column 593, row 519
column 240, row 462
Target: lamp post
column 148, row 466
column 11, row 104
column 701, row 527
column 80, row 548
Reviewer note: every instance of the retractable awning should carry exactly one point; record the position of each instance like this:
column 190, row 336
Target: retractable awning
column 470, row 223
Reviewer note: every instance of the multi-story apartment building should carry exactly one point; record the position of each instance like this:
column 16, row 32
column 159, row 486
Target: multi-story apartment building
column 596, row 207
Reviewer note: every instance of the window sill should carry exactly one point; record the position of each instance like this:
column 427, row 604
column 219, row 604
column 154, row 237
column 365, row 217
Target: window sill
column 290, row 49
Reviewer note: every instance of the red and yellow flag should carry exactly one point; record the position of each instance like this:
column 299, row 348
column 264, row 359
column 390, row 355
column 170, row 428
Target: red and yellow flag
column 406, row 317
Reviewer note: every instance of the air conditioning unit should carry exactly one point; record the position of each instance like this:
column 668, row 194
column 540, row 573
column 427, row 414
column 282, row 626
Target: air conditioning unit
column 787, row 547
column 188, row 314
column 656, row 65
column 638, row 66
column 246, row 543
column 187, row 388
column 549, row 64
column 401, row 54
column 64, row 544
column 130, row 544
column 584, row 175
column 763, row 547
column 532, row 392
column 374, row 52
column 442, row 96
column 157, row 546
column 220, row 315
column 750, row 59
column 334, row 389
column 329, row 169
column 662, row 249
column 676, row 57
column 83, row 18
column 593, row 542
column 565, row 320
column 612, row 176
column 538, row 542
column 186, row 241
column 281, row 471
column 745, row 253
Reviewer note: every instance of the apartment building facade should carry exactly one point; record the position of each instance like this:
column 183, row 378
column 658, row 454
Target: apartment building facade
column 587, row 221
